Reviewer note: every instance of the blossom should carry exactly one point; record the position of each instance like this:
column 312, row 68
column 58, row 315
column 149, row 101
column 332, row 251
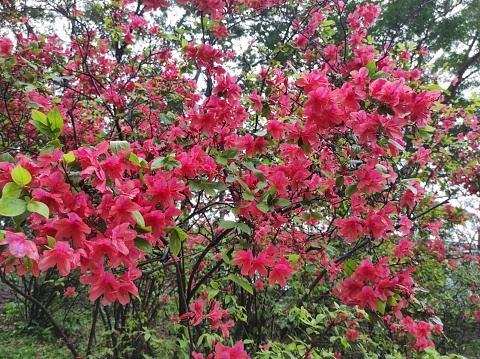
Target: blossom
column 73, row 227
column 402, row 249
column 197, row 309
column 19, row 246
column 280, row 272
column 235, row 352
column 62, row 256
column 69, row 292
column 6, row 46
column 103, row 283
column 154, row 4
column 243, row 259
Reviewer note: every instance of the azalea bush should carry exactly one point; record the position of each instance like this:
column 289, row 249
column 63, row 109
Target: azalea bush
column 249, row 179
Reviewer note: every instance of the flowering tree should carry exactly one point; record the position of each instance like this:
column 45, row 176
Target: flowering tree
column 220, row 198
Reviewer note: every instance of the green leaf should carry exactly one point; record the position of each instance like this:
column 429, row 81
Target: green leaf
column 242, row 282
column 293, row 259
column 11, row 190
column 7, row 157
column 39, row 117
column 43, row 128
column 282, row 202
column 140, row 162
column 259, row 174
column 68, row 157
column 351, row 189
column 11, row 207
column 381, row 307
column 380, row 75
column 139, row 218
column 248, row 197
column 339, row 181
column 392, row 301
column 349, row 266
column 323, row 188
column 225, row 257
column 116, row 146
column 411, row 188
column 396, row 144
column 230, row 153
column 55, row 122
column 242, row 227
column 142, row 244
column 177, row 235
column 157, row 163
column 181, row 234
column 51, row 241
column 175, row 243
column 38, row 207
column 371, row 67
column 316, row 215
column 263, row 207
column 219, row 186
column 228, row 224
column 21, row 176
column 213, row 294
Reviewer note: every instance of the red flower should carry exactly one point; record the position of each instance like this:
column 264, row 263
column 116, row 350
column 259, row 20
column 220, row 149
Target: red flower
column 6, row 46
column 235, row 352
column 243, row 259
column 282, row 270
column 62, row 256
column 19, row 246
column 102, row 284
column 72, row 227
column 154, row 4
column 69, row 292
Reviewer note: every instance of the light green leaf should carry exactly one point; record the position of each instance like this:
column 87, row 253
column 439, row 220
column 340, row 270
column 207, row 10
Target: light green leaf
column 396, row 144
column 293, row 259
column 371, row 67
column 68, row 157
column 316, row 215
column 242, row 282
column 213, row 293
column 21, row 176
column 157, row 163
column 381, row 307
column 139, row 218
column 39, row 117
column 11, row 207
column 349, row 267
column 181, row 234
column 38, row 207
column 175, row 243
column 411, row 188
column 11, row 190
column 55, row 122
column 51, row 242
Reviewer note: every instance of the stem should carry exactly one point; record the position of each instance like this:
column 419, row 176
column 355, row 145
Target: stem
column 52, row 321
column 92, row 329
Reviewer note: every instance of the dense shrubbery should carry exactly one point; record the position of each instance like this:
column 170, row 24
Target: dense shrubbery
column 293, row 197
